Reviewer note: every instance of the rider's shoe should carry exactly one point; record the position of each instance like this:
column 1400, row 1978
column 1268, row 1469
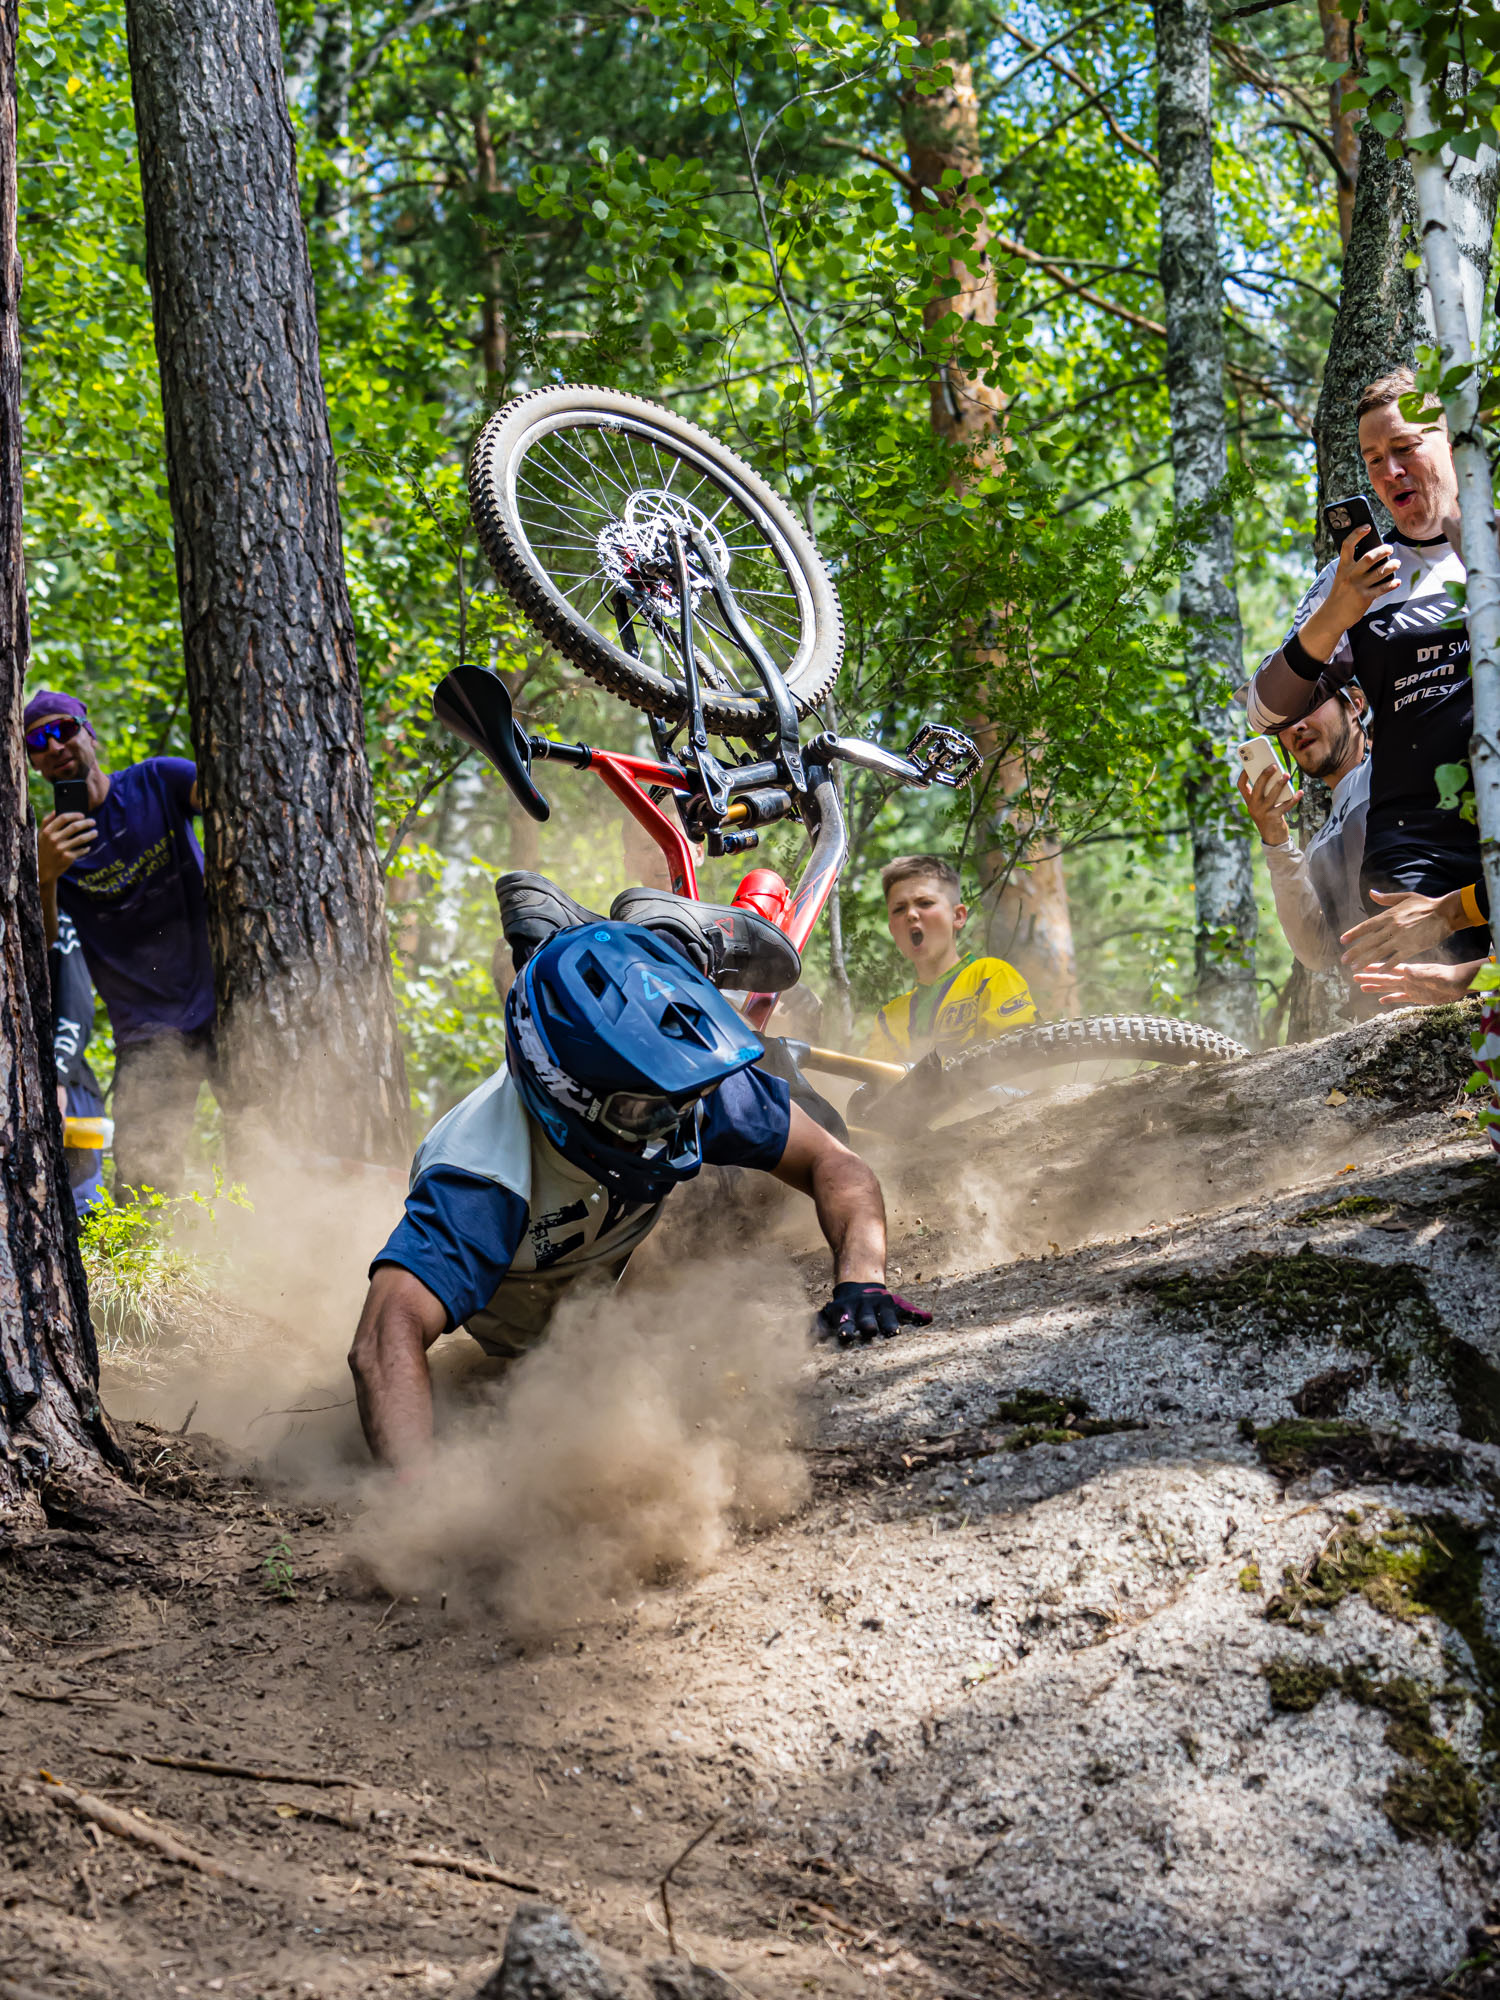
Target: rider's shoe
column 532, row 909
column 729, row 946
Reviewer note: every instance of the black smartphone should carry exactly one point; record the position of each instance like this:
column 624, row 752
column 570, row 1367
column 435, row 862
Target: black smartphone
column 1342, row 517
column 71, row 795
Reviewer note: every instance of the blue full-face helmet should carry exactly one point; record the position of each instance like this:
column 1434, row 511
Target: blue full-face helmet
column 614, row 1040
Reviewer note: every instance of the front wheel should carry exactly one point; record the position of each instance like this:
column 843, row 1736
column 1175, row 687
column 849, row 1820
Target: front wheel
column 944, row 1087
column 573, row 492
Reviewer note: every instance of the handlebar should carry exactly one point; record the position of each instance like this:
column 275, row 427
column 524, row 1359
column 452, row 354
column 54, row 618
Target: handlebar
column 938, row 756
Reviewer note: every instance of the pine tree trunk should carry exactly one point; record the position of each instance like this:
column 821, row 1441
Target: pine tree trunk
column 1385, row 310
column 1338, row 46
column 1377, row 325
column 1318, row 1001
column 331, row 114
column 1208, row 608
column 52, row 1431
column 493, row 340
column 296, row 911
column 1027, row 919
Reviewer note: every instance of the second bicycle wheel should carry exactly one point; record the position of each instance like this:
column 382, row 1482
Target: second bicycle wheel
column 573, row 491
column 945, row 1089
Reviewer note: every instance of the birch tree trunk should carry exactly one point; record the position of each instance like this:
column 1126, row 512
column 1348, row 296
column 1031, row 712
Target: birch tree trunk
column 1027, row 919
column 295, row 897
column 1447, row 225
column 1208, row 607
column 52, row 1430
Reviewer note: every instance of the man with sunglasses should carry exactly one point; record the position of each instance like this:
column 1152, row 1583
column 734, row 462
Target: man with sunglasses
column 129, row 872
column 626, row 1071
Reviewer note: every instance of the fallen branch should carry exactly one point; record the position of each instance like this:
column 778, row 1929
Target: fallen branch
column 666, row 1907
column 460, row 1864
column 126, row 1827
column 112, row 1653
column 67, row 1694
column 329, row 1780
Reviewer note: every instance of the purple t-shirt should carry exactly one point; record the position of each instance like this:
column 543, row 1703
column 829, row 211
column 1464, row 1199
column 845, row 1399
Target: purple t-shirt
column 136, row 898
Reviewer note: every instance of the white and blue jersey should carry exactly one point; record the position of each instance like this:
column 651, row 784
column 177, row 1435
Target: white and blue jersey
column 498, row 1224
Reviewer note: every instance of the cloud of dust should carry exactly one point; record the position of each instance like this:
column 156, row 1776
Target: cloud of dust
column 267, row 1372
column 652, row 1423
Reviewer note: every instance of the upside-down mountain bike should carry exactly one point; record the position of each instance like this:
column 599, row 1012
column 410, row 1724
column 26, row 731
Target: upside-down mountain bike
column 659, row 563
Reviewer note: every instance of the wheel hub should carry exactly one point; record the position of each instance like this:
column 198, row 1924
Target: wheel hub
column 635, row 551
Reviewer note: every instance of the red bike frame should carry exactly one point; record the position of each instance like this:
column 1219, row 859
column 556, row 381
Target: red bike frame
column 628, row 778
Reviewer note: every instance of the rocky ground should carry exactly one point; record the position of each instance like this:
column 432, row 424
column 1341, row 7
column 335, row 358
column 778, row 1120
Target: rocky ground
column 1134, row 1631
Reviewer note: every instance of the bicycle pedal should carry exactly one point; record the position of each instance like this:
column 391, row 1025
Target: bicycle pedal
column 945, row 756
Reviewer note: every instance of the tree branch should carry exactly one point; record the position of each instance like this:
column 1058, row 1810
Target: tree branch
column 417, row 18
column 413, row 811
column 1320, row 140
column 1067, row 70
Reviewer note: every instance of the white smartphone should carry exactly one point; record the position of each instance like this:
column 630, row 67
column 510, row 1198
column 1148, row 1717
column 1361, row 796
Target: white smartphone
column 1258, row 755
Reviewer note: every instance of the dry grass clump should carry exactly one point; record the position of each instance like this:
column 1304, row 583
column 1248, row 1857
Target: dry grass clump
column 155, row 1275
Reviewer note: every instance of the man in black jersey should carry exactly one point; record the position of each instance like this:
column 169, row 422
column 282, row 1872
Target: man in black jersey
column 1387, row 618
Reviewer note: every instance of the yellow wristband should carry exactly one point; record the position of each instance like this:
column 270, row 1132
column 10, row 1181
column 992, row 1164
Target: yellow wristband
column 1468, row 902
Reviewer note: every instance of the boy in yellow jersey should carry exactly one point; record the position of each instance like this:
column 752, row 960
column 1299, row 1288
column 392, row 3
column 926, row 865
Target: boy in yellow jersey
column 958, row 998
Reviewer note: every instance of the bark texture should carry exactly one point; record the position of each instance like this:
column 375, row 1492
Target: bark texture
column 51, row 1426
column 1385, row 310
column 296, row 911
column 1378, row 322
column 493, row 334
column 1338, row 46
column 1317, row 1002
column 1208, row 607
column 1026, row 915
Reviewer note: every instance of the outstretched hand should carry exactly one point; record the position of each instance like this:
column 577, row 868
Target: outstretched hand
column 1418, row 985
column 860, row 1313
column 1408, row 924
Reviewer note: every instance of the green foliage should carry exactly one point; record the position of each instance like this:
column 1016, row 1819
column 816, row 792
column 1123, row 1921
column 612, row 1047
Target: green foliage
column 151, row 1264
column 278, row 1578
column 710, row 205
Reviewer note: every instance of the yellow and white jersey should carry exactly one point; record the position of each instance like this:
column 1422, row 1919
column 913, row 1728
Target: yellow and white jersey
column 978, row 1000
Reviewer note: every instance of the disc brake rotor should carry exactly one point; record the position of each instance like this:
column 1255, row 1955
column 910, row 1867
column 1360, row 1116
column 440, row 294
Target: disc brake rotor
column 635, row 552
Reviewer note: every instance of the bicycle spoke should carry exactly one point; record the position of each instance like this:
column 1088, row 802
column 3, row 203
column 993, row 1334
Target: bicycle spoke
column 579, row 487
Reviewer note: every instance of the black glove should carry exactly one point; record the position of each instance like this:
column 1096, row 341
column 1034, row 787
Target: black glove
column 858, row 1314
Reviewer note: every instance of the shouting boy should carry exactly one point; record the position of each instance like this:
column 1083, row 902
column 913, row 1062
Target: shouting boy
column 957, row 998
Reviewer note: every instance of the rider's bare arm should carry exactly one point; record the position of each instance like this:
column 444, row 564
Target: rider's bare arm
column 851, row 1208
column 388, row 1360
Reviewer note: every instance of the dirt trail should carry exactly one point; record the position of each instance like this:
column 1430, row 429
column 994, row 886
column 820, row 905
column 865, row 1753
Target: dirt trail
column 1019, row 1700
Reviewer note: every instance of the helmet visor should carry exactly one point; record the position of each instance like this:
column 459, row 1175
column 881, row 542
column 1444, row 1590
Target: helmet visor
column 633, row 1115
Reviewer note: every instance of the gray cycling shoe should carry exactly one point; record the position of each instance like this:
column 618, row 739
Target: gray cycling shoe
column 731, row 947
column 532, row 909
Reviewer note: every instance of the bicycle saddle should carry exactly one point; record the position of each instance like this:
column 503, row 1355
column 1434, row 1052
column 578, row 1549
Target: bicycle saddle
column 732, row 947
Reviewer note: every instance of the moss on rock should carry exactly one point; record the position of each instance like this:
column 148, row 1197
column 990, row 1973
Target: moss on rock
column 1382, row 1310
column 1423, row 1064
column 1297, row 1446
column 1438, row 1796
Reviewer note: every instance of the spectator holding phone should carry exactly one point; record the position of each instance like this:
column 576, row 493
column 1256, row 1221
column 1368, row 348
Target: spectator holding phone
column 1317, row 892
column 129, row 873
column 1385, row 616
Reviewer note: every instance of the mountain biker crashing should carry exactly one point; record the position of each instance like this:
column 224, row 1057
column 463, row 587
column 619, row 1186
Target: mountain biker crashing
column 626, row 1070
